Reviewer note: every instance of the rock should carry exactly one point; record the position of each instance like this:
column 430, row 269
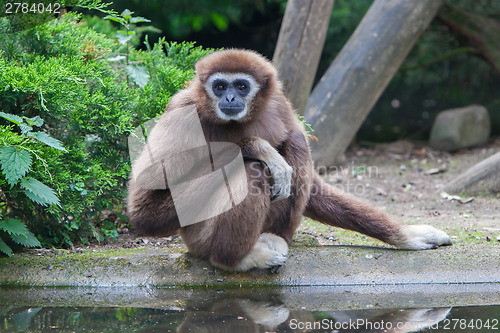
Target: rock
column 460, row 128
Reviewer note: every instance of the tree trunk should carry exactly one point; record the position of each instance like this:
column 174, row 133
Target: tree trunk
column 358, row 76
column 300, row 42
column 482, row 31
column 482, row 178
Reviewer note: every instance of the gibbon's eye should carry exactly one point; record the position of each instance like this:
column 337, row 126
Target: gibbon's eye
column 242, row 85
column 219, row 86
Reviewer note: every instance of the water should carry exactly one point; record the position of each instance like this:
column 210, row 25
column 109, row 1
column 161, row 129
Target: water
column 238, row 311
column 246, row 316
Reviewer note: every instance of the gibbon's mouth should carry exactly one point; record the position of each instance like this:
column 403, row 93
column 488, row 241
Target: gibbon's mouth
column 229, row 114
column 232, row 111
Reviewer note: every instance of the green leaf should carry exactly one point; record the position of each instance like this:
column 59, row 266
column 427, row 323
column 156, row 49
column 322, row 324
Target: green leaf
column 5, row 248
column 127, row 14
column 27, row 240
column 123, row 38
column 13, row 227
column 25, row 128
column 15, row 164
column 39, row 192
column 129, row 32
column 219, row 21
column 139, row 19
column 48, row 140
column 117, row 58
column 12, row 117
column 35, row 121
column 114, row 18
column 139, row 74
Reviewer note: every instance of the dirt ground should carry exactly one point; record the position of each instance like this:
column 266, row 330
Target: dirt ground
column 405, row 180
column 402, row 178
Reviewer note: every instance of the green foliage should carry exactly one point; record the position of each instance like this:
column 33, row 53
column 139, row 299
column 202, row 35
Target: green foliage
column 308, row 128
column 179, row 18
column 39, row 192
column 66, row 112
column 136, row 72
column 169, row 74
column 130, row 33
column 18, row 233
column 30, row 13
column 16, row 162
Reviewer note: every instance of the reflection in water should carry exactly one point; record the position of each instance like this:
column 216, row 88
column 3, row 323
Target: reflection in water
column 218, row 312
column 402, row 320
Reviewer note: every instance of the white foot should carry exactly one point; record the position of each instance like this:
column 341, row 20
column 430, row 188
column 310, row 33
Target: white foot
column 265, row 313
column 270, row 250
column 424, row 237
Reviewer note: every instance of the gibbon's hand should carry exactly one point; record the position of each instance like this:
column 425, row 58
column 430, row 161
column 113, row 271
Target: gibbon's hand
column 282, row 175
column 280, row 170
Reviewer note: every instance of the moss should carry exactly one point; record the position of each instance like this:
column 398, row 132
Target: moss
column 472, row 235
column 34, row 258
column 305, row 240
column 182, row 262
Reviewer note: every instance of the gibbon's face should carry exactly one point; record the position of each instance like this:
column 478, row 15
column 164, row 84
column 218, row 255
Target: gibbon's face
column 232, row 94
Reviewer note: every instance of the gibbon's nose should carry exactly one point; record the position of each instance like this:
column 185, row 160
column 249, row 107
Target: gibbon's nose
column 230, row 98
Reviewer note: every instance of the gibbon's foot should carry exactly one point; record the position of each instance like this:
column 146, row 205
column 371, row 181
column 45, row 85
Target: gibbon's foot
column 423, row 237
column 270, row 250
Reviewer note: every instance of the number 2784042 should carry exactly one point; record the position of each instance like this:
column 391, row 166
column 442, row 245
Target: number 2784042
column 31, row 8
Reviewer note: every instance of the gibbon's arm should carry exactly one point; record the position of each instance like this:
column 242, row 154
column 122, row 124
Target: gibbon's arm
column 255, row 148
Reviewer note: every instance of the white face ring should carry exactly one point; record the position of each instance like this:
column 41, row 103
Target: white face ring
column 230, row 77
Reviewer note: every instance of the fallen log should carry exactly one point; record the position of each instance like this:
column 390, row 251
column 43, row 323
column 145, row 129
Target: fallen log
column 482, row 178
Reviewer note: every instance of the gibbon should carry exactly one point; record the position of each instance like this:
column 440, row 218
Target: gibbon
column 238, row 99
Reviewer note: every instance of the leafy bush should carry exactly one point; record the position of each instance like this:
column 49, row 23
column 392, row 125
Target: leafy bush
column 60, row 71
column 16, row 159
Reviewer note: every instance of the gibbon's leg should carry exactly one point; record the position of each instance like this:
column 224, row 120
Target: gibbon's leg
column 233, row 240
column 152, row 212
column 284, row 215
column 334, row 207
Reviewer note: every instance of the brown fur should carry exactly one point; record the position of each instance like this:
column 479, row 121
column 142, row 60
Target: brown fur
column 227, row 238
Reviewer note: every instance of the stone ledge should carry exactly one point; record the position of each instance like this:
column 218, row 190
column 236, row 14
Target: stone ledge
column 307, row 266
